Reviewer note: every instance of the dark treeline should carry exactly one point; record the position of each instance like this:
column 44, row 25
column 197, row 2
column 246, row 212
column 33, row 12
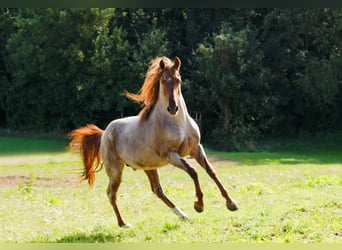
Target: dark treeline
column 246, row 73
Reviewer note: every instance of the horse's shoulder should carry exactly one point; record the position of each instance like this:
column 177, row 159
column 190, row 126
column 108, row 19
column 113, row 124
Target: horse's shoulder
column 193, row 127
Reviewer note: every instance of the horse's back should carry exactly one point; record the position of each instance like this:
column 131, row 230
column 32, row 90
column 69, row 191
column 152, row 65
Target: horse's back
column 120, row 126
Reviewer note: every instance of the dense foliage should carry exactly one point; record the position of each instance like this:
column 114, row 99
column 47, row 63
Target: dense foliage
column 246, row 72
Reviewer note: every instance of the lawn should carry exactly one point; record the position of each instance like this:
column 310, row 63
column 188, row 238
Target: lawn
column 288, row 191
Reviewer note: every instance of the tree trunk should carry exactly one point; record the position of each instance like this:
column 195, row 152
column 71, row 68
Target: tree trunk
column 226, row 114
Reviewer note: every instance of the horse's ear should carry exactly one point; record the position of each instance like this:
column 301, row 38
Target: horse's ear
column 177, row 63
column 161, row 64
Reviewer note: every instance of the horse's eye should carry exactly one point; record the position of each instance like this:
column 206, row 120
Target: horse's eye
column 167, row 78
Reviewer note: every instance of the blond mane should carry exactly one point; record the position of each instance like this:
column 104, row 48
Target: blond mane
column 148, row 94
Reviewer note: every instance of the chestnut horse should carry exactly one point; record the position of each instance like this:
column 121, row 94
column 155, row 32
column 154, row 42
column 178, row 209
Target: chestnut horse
column 163, row 133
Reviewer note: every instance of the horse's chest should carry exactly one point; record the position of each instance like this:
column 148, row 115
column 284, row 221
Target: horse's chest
column 173, row 134
column 174, row 138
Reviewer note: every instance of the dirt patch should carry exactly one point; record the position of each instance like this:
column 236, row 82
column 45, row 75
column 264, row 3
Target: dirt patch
column 13, row 181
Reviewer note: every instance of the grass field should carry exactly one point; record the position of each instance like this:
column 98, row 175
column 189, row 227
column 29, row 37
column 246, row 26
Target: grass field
column 289, row 191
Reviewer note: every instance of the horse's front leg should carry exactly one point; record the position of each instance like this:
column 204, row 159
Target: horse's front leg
column 176, row 160
column 199, row 154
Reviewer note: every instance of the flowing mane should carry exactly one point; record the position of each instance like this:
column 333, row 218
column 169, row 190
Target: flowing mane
column 148, row 94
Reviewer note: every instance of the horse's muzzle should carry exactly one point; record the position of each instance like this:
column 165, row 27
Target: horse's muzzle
column 172, row 110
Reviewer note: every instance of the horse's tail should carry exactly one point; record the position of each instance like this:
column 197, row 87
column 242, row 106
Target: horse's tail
column 87, row 140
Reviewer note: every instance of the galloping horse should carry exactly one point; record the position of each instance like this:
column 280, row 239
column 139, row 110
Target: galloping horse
column 163, row 133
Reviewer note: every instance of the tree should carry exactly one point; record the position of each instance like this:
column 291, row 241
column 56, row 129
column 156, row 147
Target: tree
column 7, row 17
column 302, row 49
column 232, row 65
column 50, row 54
column 246, row 72
column 147, row 42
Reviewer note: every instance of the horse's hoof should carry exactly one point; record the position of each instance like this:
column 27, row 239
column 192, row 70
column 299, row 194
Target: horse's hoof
column 232, row 206
column 184, row 217
column 126, row 225
column 198, row 208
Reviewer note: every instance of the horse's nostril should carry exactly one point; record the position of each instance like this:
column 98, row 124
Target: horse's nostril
column 172, row 110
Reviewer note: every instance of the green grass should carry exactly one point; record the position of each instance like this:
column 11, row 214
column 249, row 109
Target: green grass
column 30, row 144
column 287, row 192
column 291, row 151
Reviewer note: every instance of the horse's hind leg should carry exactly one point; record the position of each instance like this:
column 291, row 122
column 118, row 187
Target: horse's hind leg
column 153, row 177
column 201, row 158
column 114, row 168
column 114, row 173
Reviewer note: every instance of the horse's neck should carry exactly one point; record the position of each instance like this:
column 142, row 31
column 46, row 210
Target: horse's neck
column 182, row 107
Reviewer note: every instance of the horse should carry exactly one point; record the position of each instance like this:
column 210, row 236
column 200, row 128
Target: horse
column 162, row 133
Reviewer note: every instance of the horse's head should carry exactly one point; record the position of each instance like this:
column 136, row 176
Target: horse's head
column 170, row 81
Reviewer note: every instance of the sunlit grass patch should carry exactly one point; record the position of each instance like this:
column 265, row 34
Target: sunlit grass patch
column 279, row 202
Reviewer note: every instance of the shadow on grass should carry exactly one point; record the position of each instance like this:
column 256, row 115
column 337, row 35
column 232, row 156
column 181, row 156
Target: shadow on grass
column 319, row 149
column 286, row 157
column 90, row 238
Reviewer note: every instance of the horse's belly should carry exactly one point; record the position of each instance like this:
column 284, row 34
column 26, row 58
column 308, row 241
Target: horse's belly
column 140, row 156
column 147, row 163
